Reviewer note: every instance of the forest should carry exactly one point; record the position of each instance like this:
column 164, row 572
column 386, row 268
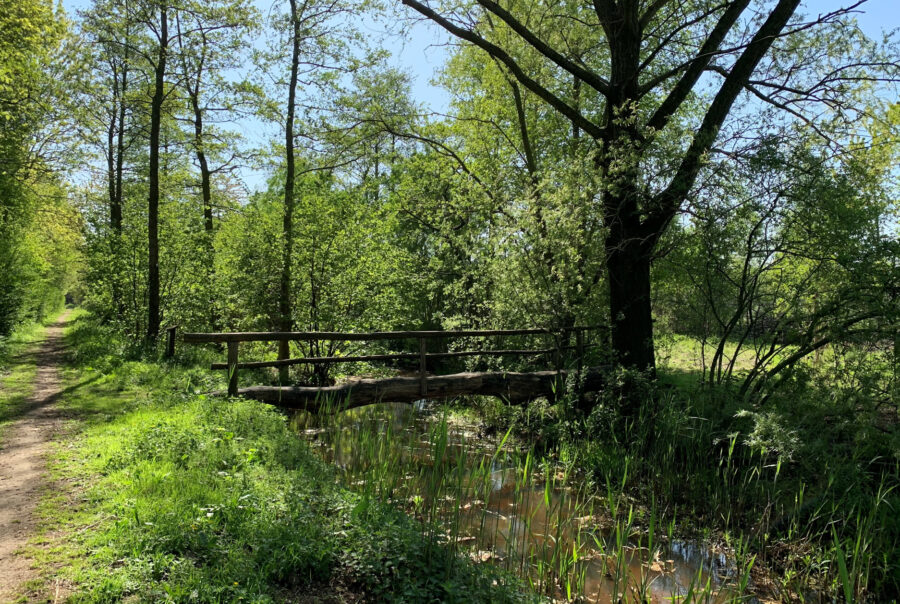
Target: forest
column 618, row 320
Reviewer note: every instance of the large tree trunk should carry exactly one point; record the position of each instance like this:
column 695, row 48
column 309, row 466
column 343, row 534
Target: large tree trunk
column 285, row 307
column 627, row 249
column 153, row 317
column 631, row 320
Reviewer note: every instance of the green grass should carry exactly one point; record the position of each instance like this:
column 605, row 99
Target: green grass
column 681, row 358
column 18, row 367
column 186, row 498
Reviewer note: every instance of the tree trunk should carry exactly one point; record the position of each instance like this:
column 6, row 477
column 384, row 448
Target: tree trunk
column 153, row 317
column 284, row 303
column 206, row 195
column 115, row 217
column 631, row 320
column 205, row 175
column 895, row 395
column 116, row 210
column 114, row 176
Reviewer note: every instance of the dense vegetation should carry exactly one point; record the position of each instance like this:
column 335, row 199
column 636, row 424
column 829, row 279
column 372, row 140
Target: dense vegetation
column 713, row 184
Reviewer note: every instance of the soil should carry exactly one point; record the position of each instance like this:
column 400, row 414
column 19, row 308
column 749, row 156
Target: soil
column 23, row 450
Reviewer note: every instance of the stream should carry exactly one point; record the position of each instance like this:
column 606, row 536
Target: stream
column 501, row 506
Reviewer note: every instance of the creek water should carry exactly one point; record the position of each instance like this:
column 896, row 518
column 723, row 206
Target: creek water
column 498, row 505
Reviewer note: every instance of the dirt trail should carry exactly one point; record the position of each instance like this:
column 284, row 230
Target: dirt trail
column 23, row 449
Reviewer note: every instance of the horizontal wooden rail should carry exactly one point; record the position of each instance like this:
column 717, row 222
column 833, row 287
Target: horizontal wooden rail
column 317, row 361
column 279, row 336
column 386, row 357
column 234, row 339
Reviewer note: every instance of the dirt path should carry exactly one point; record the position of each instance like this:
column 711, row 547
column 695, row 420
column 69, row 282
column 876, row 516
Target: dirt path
column 23, row 451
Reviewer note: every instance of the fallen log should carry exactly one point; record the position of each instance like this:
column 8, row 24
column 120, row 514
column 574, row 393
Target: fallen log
column 511, row 387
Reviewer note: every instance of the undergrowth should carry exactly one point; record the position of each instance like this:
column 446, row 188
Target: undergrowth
column 806, row 484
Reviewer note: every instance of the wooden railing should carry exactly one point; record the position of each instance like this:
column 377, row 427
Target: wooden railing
column 233, row 340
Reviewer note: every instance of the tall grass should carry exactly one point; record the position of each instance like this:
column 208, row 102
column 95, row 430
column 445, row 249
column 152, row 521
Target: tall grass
column 592, row 508
column 602, row 513
column 497, row 500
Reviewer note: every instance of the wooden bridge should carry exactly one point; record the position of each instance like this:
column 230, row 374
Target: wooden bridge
column 512, row 387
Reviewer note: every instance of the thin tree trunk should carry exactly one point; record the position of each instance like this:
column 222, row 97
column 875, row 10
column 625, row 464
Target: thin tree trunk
column 192, row 82
column 206, row 194
column 116, row 151
column 895, row 395
column 285, row 307
column 116, row 210
column 153, row 316
column 114, row 224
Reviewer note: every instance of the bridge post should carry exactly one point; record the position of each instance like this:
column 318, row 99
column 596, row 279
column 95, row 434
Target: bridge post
column 579, row 348
column 233, row 368
column 170, row 342
column 557, row 350
column 423, row 367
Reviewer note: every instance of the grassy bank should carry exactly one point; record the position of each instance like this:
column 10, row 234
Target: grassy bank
column 186, row 498
column 18, row 367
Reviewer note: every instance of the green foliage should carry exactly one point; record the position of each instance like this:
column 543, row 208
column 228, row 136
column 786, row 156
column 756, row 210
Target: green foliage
column 774, row 249
column 38, row 229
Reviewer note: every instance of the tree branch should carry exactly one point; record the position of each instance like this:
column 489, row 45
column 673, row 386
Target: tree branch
column 501, row 55
column 592, row 79
column 665, row 204
column 696, row 68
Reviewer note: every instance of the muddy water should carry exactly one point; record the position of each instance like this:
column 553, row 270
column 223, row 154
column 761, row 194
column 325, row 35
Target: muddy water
column 497, row 505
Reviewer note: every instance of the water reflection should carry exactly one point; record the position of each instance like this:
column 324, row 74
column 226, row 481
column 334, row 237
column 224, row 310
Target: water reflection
column 495, row 505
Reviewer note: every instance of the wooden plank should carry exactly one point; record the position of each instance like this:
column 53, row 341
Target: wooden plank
column 278, row 336
column 511, row 387
column 170, row 342
column 489, row 353
column 317, row 360
column 233, row 368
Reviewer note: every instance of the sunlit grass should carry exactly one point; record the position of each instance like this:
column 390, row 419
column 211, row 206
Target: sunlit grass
column 18, row 368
